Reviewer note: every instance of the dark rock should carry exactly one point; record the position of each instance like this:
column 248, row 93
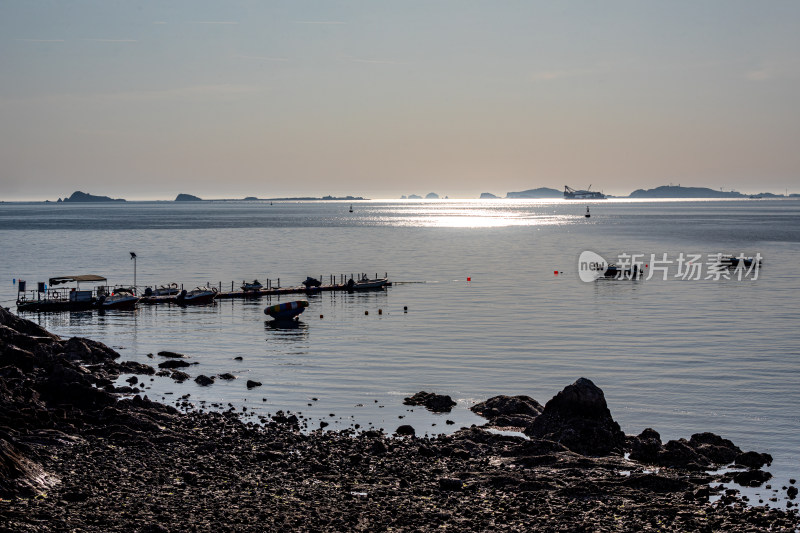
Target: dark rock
column 174, row 355
column 252, row 384
column 405, row 430
column 173, row 364
column 132, row 367
column 449, row 483
column 204, row 380
column 720, row 451
column 179, row 376
column 227, row 376
column 753, row 459
column 509, row 411
column 578, row 418
column 437, row 403
column 752, row 478
column 791, row 492
column 18, row 474
column 132, row 380
column 646, row 446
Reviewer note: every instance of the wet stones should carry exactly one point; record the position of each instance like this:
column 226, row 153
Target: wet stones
column 753, row 459
column 438, row 403
column 204, row 380
column 509, row 411
column 578, row 418
column 405, row 430
column 752, row 478
column 173, row 363
column 253, row 384
column 174, row 355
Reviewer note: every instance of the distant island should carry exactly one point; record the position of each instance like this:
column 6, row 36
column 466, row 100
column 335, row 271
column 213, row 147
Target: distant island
column 79, row 196
column 187, row 198
column 676, row 191
column 541, row 192
column 431, row 196
column 487, row 196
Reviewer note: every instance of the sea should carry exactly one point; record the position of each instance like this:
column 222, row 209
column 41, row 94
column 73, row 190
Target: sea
column 488, row 298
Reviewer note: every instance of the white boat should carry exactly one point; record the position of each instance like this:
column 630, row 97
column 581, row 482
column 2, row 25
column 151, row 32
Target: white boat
column 197, row 296
column 164, row 290
column 122, row 298
column 255, row 285
column 366, row 284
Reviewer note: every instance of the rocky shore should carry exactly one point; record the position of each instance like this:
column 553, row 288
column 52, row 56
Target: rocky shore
column 78, row 455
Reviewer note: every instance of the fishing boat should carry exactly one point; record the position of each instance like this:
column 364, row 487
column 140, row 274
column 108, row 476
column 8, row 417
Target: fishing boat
column 253, row 286
column 588, row 194
column 121, row 298
column 197, row 296
column 287, row 310
column 48, row 299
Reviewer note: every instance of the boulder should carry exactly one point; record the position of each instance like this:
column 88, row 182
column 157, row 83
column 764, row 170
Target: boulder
column 753, row 459
column 252, row 384
column 438, row 403
column 578, row 418
column 405, row 430
column 204, row 380
column 509, row 411
column 173, row 363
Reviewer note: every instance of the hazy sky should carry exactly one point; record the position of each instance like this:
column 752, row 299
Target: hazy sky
column 225, row 99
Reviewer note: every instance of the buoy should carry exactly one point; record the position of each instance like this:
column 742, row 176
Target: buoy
column 321, row 316
column 555, row 272
column 380, row 311
column 469, row 279
column 366, row 312
column 587, row 215
column 405, row 309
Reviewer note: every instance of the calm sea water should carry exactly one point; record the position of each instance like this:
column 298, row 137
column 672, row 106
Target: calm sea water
column 680, row 356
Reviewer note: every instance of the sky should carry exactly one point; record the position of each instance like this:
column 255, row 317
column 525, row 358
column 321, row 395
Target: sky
column 226, row 99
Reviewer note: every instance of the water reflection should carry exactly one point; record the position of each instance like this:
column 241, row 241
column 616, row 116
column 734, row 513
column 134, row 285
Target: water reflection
column 286, row 329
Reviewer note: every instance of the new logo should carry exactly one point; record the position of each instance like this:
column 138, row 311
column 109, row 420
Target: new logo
column 591, row 266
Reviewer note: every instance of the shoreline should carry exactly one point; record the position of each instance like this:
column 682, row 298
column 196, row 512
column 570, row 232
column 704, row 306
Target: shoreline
column 75, row 454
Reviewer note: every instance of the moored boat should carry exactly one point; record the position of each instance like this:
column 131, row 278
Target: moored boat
column 367, row 284
column 122, row 298
column 48, row 299
column 253, row 286
column 197, row 296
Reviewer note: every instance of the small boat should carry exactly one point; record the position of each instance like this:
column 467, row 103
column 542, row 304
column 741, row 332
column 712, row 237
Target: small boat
column 253, row 286
column 164, row 290
column 351, row 208
column 615, row 272
column 588, row 214
column 122, row 298
column 367, row 284
column 197, row 296
column 311, row 283
column 287, row 310
column 734, row 262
